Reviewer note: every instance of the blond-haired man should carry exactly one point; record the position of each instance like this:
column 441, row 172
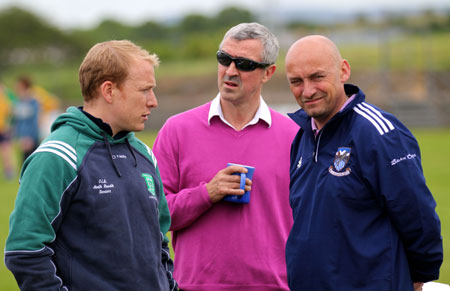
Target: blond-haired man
column 91, row 213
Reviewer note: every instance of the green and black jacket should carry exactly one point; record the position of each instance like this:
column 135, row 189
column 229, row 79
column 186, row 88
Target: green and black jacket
column 90, row 213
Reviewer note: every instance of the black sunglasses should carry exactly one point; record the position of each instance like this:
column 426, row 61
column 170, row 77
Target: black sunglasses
column 242, row 64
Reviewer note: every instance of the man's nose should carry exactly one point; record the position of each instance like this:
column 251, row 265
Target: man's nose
column 232, row 70
column 308, row 89
column 152, row 101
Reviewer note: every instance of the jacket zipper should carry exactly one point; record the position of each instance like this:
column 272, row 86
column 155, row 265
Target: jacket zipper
column 316, row 150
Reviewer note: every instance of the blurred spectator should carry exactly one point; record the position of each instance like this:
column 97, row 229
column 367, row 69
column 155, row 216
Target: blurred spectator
column 26, row 117
column 6, row 149
column 50, row 109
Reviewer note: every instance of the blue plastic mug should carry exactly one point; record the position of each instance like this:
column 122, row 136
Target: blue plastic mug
column 241, row 198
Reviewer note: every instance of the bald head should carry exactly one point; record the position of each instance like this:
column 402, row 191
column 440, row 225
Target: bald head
column 315, row 45
column 316, row 73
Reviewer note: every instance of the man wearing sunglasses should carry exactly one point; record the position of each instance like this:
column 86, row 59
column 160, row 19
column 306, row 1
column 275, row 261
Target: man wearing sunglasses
column 220, row 245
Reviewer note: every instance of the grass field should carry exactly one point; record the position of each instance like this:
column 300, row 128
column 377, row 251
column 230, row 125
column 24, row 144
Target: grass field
column 435, row 145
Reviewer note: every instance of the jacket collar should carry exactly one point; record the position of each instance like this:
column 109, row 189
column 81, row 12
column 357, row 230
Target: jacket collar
column 304, row 121
column 103, row 125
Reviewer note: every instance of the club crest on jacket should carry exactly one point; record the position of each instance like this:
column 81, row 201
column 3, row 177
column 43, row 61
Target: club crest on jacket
column 340, row 161
column 150, row 183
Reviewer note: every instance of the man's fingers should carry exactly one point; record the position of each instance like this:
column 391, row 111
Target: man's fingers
column 234, row 169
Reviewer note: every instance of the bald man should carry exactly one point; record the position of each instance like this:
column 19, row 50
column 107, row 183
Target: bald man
column 364, row 218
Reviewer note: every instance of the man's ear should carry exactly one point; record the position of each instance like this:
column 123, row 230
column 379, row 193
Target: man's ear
column 345, row 71
column 268, row 73
column 107, row 91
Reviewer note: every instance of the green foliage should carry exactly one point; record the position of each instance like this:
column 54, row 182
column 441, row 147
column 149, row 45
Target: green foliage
column 25, row 38
column 51, row 57
column 110, row 29
column 24, row 29
column 228, row 17
column 190, row 37
column 152, row 30
column 196, row 23
column 200, row 46
column 164, row 49
column 426, row 21
column 231, row 16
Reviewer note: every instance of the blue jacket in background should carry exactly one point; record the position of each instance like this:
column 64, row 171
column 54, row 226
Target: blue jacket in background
column 26, row 119
column 364, row 218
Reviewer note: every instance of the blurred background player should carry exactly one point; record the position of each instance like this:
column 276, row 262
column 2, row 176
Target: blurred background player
column 26, row 117
column 6, row 148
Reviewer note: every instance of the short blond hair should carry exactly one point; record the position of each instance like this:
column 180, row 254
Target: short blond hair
column 110, row 61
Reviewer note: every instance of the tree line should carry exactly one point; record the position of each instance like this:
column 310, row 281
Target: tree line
column 27, row 38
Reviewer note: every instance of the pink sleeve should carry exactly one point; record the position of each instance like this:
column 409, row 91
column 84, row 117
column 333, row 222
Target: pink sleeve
column 185, row 205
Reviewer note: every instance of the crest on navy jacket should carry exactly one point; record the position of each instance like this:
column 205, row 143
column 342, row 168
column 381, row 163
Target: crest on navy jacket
column 340, row 161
